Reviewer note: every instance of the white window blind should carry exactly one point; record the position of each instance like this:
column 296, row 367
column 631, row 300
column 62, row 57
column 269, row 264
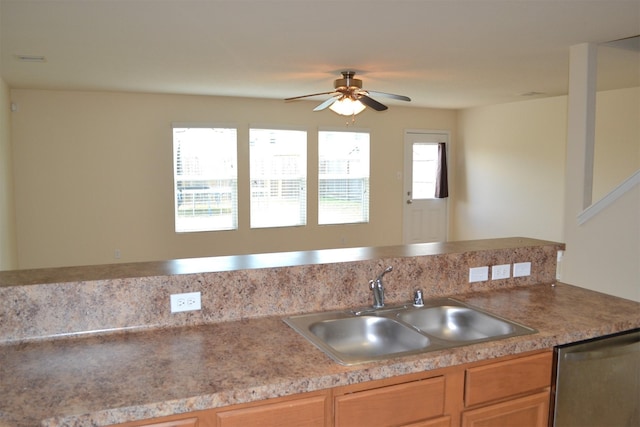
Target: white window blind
column 343, row 181
column 278, row 176
column 205, row 178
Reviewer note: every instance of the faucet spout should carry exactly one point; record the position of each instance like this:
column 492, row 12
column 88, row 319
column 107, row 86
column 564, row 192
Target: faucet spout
column 378, row 289
column 378, row 293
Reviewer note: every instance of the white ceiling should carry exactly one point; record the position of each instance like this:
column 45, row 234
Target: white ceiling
column 441, row 53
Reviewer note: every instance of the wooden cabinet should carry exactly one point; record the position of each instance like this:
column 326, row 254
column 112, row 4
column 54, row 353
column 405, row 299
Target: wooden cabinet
column 437, row 422
column 191, row 419
column 499, row 380
column 401, row 404
column 511, row 391
column 528, row 411
column 307, row 412
column 187, row 422
column 300, row 410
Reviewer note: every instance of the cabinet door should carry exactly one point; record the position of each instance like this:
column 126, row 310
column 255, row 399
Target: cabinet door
column 395, row 405
column 307, row 412
column 529, row 411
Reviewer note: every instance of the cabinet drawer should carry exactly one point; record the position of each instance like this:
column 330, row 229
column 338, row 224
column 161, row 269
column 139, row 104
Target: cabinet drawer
column 189, row 422
column 307, row 412
column 436, row 422
column 503, row 379
column 193, row 419
column 393, row 405
column 528, row 411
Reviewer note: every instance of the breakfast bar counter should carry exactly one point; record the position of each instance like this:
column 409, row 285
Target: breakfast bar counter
column 99, row 380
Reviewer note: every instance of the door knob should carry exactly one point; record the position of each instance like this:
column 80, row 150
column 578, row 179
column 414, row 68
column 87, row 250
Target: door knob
column 409, row 201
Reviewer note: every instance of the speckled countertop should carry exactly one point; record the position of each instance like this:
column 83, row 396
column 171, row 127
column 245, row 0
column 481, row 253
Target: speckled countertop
column 101, row 380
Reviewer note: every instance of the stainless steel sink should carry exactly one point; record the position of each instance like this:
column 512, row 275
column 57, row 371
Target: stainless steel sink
column 349, row 338
column 457, row 323
column 368, row 336
column 352, row 337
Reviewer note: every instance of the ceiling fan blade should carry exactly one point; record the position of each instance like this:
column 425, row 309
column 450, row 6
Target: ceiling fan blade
column 326, row 103
column 370, row 102
column 390, row 95
column 313, row 94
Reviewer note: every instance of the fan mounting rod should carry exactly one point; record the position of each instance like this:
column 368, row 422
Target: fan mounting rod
column 347, row 81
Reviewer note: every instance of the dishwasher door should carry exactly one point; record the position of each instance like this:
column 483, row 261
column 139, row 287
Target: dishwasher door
column 597, row 382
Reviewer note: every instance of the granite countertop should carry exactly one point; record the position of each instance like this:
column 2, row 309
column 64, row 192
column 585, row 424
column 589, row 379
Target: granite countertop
column 102, row 380
column 253, row 261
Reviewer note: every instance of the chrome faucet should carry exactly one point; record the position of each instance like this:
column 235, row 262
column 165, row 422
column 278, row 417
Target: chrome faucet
column 378, row 289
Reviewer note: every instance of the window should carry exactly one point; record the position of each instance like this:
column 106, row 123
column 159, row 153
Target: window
column 278, row 176
column 205, row 178
column 343, row 181
column 425, row 168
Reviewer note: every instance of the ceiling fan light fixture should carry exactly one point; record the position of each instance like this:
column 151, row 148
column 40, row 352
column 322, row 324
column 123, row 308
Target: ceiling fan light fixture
column 349, row 99
column 347, row 107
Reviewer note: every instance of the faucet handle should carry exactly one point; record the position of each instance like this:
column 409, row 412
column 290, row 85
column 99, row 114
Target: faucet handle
column 386, row 270
column 417, row 299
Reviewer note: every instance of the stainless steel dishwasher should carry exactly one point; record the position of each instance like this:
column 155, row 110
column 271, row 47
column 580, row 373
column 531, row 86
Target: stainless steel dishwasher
column 597, row 382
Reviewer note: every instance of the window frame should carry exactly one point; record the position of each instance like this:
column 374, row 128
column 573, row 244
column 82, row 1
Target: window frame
column 230, row 193
column 301, row 213
column 365, row 205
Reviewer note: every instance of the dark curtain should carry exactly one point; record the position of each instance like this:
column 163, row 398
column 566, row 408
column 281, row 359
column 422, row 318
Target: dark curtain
column 442, row 186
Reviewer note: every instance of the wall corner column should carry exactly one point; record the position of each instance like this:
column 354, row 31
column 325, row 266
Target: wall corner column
column 580, row 130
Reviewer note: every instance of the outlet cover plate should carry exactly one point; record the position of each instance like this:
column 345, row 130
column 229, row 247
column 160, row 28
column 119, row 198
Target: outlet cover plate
column 478, row 274
column 188, row 301
column 502, row 271
column 521, row 269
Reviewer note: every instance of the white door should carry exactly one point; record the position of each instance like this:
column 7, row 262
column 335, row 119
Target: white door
column 425, row 217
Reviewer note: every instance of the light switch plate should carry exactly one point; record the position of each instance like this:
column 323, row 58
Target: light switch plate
column 521, row 269
column 478, row 274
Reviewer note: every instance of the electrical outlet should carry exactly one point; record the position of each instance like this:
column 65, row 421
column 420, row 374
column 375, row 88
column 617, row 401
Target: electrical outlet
column 185, row 302
column 521, row 269
column 478, row 274
column 502, row 271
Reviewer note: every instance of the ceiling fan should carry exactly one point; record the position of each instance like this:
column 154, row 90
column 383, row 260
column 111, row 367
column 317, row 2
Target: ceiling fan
column 349, row 98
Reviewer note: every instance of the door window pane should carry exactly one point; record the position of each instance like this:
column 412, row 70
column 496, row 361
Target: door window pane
column 425, row 168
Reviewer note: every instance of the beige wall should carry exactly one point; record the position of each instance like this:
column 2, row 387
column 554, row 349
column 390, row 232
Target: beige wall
column 8, row 242
column 511, row 181
column 617, row 139
column 510, row 171
column 602, row 253
column 93, row 173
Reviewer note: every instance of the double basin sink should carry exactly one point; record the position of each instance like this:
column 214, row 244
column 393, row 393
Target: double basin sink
column 352, row 337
